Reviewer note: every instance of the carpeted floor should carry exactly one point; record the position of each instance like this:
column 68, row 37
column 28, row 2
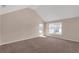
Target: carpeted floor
column 41, row 45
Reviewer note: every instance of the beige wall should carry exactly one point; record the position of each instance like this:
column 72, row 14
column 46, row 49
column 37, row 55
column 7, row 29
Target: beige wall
column 70, row 29
column 0, row 28
column 20, row 25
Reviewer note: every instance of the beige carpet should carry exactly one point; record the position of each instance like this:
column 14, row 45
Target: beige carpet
column 41, row 45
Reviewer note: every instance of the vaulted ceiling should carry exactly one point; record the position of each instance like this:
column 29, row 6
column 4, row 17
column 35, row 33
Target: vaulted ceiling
column 47, row 12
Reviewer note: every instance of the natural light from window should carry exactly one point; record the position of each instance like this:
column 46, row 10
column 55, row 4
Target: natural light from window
column 41, row 30
column 55, row 28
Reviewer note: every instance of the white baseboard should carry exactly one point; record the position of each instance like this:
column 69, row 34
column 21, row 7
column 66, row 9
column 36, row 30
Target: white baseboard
column 19, row 40
column 64, row 38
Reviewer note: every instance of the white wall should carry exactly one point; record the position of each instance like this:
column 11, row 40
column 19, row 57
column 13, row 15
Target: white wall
column 70, row 29
column 20, row 25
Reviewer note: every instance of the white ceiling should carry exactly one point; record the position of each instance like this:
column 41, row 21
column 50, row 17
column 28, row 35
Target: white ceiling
column 47, row 12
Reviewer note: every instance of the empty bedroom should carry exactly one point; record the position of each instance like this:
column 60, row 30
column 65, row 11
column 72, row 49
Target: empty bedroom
column 39, row 28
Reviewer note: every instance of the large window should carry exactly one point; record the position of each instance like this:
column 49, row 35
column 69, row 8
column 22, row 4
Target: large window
column 55, row 28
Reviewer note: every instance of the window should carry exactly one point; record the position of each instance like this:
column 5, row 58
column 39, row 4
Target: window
column 55, row 28
column 41, row 29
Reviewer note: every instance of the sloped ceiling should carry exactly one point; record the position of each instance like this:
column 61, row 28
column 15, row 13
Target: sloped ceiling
column 47, row 12
column 10, row 8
